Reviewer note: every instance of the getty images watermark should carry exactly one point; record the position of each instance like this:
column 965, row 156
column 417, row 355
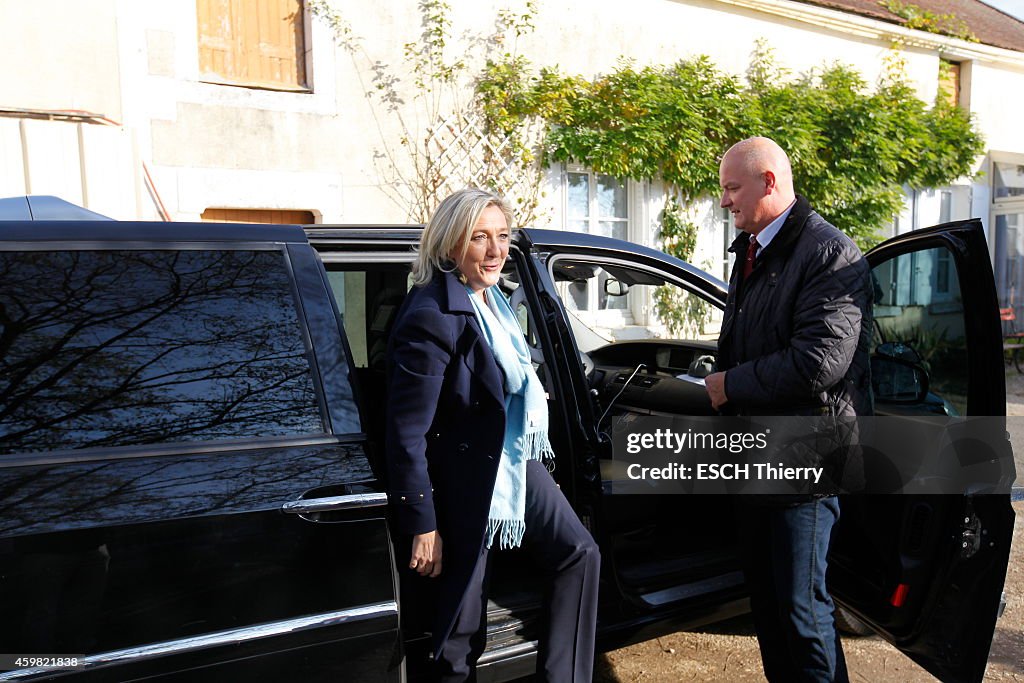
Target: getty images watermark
column 785, row 455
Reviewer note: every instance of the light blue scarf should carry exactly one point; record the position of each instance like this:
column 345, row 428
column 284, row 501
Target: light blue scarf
column 526, row 418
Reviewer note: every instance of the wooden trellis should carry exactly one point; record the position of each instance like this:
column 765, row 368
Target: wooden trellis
column 462, row 154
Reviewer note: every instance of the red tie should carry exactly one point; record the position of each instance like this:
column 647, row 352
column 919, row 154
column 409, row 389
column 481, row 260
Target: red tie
column 748, row 265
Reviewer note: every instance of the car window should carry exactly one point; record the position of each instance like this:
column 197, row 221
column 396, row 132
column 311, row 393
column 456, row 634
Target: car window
column 511, row 284
column 369, row 296
column 117, row 348
column 608, row 302
column 919, row 319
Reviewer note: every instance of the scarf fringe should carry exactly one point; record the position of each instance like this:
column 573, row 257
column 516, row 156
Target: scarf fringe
column 526, row 416
column 535, row 446
column 509, row 532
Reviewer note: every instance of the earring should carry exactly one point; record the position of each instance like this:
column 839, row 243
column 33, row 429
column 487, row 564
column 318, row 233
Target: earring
column 446, row 265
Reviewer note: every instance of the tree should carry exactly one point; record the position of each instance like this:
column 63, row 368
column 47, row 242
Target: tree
column 443, row 142
column 852, row 149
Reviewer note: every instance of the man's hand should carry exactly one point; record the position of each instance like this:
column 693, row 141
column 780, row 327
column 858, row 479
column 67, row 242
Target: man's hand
column 715, row 385
column 426, row 554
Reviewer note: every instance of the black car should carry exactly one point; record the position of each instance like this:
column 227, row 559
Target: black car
column 191, row 422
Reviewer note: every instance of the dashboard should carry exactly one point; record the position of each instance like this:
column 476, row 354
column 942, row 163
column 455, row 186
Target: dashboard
column 663, row 387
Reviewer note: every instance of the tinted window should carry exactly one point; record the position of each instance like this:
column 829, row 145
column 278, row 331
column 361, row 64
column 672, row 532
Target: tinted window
column 919, row 318
column 126, row 347
column 369, row 298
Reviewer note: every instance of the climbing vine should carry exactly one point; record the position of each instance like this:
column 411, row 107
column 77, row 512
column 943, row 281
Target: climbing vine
column 918, row 18
column 683, row 314
column 853, row 147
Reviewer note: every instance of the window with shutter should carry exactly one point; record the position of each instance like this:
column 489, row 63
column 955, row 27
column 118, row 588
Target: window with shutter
column 253, row 43
column 949, row 81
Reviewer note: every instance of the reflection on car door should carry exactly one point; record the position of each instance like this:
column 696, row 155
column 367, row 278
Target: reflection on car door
column 927, row 572
column 177, row 433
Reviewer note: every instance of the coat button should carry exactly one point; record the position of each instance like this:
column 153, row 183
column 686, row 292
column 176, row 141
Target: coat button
column 463, row 447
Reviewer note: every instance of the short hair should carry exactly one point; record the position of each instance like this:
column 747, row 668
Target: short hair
column 450, row 228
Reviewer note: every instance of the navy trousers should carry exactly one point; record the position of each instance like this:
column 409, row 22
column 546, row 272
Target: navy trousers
column 564, row 550
column 785, row 550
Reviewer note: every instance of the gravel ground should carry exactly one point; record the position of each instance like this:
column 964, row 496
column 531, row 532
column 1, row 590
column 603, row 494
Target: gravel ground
column 1015, row 418
column 728, row 651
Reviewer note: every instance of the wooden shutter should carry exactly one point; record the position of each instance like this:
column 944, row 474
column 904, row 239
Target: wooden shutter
column 258, row 43
column 949, row 81
column 280, row 217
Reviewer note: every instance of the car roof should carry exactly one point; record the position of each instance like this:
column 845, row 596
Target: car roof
column 44, row 207
column 36, row 218
column 141, row 231
column 403, row 238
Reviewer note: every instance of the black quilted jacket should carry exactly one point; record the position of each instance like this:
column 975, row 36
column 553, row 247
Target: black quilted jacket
column 795, row 340
column 795, row 334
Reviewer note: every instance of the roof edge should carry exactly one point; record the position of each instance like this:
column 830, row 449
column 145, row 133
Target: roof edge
column 100, row 233
column 878, row 29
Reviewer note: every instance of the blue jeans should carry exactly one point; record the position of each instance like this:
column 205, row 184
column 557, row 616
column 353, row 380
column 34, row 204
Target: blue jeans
column 785, row 551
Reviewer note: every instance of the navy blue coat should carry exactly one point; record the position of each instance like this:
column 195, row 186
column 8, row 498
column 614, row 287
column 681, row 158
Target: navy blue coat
column 445, row 426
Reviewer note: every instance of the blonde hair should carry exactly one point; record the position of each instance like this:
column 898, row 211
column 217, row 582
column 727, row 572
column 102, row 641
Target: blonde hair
column 449, row 230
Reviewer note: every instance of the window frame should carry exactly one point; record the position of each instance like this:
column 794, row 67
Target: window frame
column 1000, row 203
column 633, row 312
column 1000, row 207
column 221, row 214
column 950, row 81
column 305, row 72
column 625, row 263
column 726, row 222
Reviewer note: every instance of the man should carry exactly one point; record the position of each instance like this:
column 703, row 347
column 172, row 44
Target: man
column 794, row 341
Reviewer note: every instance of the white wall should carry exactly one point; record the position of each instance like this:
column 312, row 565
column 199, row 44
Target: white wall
column 209, row 145
column 60, row 54
column 224, row 146
column 92, row 165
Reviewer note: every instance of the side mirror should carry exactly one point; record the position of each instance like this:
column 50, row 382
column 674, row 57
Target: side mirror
column 895, row 380
column 613, row 287
column 899, row 350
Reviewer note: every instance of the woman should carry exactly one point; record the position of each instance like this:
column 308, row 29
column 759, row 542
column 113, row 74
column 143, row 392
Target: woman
column 466, row 433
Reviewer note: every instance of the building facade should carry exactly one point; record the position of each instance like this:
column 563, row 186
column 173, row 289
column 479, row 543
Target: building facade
column 252, row 110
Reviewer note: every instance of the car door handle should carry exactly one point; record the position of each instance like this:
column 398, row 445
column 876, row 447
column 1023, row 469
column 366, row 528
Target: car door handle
column 335, row 503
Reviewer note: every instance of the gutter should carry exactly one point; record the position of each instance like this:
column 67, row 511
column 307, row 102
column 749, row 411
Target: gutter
column 882, row 31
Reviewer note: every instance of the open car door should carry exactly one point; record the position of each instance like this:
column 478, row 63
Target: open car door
column 926, row 571
column 598, row 296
